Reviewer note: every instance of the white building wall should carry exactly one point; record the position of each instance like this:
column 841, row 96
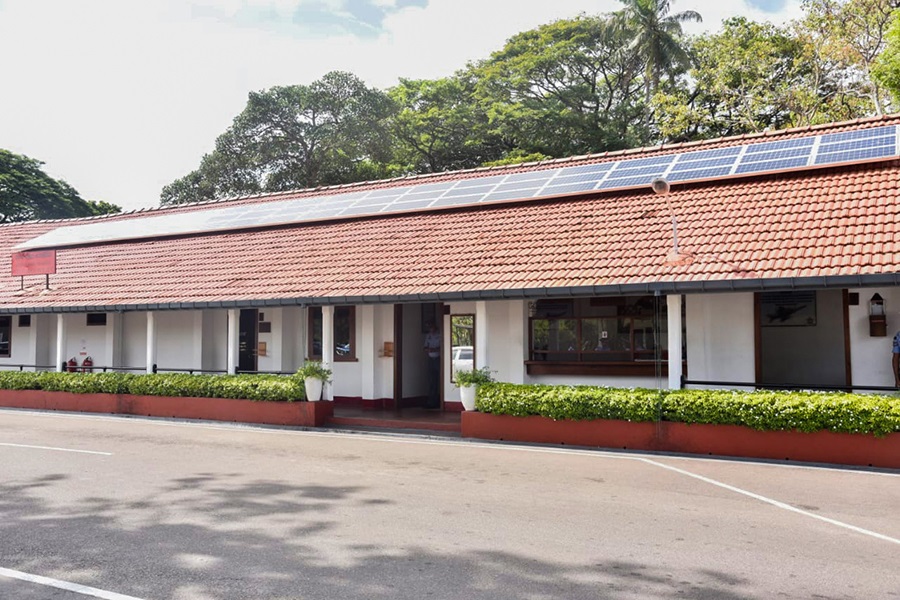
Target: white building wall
column 214, row 354
column 23, row 344
column 347, row 375
column 274, row 340
column 134, row 340
column 870, row 357
column 176, row 346
column 45, row 339
column 720, row 337
column 83, row 340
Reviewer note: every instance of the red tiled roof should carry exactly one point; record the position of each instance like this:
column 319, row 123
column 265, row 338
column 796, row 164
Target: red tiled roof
column 841, row 221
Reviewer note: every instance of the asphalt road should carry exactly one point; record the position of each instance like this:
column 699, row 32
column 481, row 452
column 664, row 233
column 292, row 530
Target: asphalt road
column 170, row 511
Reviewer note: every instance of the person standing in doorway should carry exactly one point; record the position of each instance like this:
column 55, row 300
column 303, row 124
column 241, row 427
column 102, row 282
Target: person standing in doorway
column 433, row 353
column 895, row 360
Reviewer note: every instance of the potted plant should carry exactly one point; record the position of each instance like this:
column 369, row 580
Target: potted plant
column 468, row 382
column 314, row 375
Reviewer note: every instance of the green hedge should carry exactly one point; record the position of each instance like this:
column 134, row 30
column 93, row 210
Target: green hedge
column 249, row 387
column 763, row 410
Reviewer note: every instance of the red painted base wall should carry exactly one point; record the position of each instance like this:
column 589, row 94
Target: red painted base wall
column 721, row 440
column 300, row 414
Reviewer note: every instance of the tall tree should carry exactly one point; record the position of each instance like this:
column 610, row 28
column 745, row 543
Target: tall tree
column 330, row 132
column 439, row 126
column 886, row 69
column 753, row 76
column 564, row 88
column 849, row 36
column 658, row 40
column 27, row 193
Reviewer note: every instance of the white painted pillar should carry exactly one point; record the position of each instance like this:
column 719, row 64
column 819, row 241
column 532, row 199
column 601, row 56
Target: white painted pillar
column 328, row 347
column 234, row 340
column 518, row 342
column 197, row 346
column 151, row 341
column 673, row 305
column 481, row 335
column 367, row 350
column 60, row 341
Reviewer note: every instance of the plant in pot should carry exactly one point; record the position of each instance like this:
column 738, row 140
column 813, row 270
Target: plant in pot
column 468, row 381
column 314, row 375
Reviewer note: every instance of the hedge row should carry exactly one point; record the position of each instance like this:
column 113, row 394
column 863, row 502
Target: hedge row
column 763, row 410
column 249, row 387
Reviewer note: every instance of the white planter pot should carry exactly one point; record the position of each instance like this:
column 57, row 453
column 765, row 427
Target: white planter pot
column 313, row 389
column 467, row 395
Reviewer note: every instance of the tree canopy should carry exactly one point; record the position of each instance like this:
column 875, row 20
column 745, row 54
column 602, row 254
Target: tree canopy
column 593, row 83
column 28, row 193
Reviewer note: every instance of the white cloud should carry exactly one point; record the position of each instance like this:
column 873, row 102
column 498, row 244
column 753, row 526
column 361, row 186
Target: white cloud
column 121, row 97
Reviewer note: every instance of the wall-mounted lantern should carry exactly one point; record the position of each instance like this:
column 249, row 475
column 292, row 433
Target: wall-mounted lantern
column 877, row 317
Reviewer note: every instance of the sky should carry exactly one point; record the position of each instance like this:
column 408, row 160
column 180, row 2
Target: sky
column 121, row 97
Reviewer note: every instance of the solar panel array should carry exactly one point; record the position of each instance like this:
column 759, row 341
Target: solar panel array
column 863, row 145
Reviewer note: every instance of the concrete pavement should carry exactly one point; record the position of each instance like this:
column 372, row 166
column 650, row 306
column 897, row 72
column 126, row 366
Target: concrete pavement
column 166, row 510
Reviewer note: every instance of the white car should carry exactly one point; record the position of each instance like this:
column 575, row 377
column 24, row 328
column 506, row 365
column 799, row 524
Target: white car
column 463, row 358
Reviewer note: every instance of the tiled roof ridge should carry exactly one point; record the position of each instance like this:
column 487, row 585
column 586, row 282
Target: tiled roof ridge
column 767, row 134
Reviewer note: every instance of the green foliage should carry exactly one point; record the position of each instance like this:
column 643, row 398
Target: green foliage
column 468, row 377
column 299, row 136
column 248, row 387
column 314, row 369
column 763, row 410
column 28, row 193
column 887, row 66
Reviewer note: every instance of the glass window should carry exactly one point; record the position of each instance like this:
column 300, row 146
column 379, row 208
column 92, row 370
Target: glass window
column 344, row 333
column 5, row 337
column 462, row 344
column 620, row 329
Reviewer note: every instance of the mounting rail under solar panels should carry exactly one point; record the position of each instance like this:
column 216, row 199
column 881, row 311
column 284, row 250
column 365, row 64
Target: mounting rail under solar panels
column 864, row 145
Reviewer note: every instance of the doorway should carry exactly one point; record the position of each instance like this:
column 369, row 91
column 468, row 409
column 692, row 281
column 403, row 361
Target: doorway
column 412, row 376
column 248, row 334
column 802, row 338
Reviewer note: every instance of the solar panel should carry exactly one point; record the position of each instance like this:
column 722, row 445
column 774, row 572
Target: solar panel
column 876, row 143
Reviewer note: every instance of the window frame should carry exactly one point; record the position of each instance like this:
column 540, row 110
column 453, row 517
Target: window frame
column 637, row 362
column 6, row 325
column 314, row 315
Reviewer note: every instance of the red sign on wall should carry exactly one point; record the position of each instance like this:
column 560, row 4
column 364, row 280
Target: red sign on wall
column 34, row 262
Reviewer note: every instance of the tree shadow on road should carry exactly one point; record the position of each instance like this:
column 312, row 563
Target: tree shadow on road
column 208, row 538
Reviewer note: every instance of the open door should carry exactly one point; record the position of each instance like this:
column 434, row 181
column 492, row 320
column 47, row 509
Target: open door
column 248, row 334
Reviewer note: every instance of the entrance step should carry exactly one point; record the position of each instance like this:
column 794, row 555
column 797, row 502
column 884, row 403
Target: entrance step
column 413, row 419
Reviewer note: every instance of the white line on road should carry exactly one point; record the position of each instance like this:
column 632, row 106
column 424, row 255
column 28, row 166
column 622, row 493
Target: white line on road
column 56, row 449
column 775, row 503
column 64, row 585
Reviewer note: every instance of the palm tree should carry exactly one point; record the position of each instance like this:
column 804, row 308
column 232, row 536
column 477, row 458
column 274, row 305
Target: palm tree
column 657, row 39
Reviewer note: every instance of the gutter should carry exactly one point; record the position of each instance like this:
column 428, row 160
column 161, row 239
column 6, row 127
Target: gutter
column 622, row 289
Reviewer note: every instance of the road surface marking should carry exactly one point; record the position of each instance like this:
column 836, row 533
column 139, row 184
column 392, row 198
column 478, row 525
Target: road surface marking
column 56, row 449
column 64, row 585
column 775, row 503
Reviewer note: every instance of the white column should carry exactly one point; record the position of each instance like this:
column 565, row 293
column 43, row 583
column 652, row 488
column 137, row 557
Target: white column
column 367, row 350
column 517, row 330
column 60, row 341
column 197, row 346
column 481, row 335
column 151, row 341
column 233, row 340
column 328, row 347
column 673, row 305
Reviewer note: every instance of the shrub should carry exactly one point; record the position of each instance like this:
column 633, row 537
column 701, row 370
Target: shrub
column 249, row 387
column 469, row 377
column 763, row 410
column 314, row 369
